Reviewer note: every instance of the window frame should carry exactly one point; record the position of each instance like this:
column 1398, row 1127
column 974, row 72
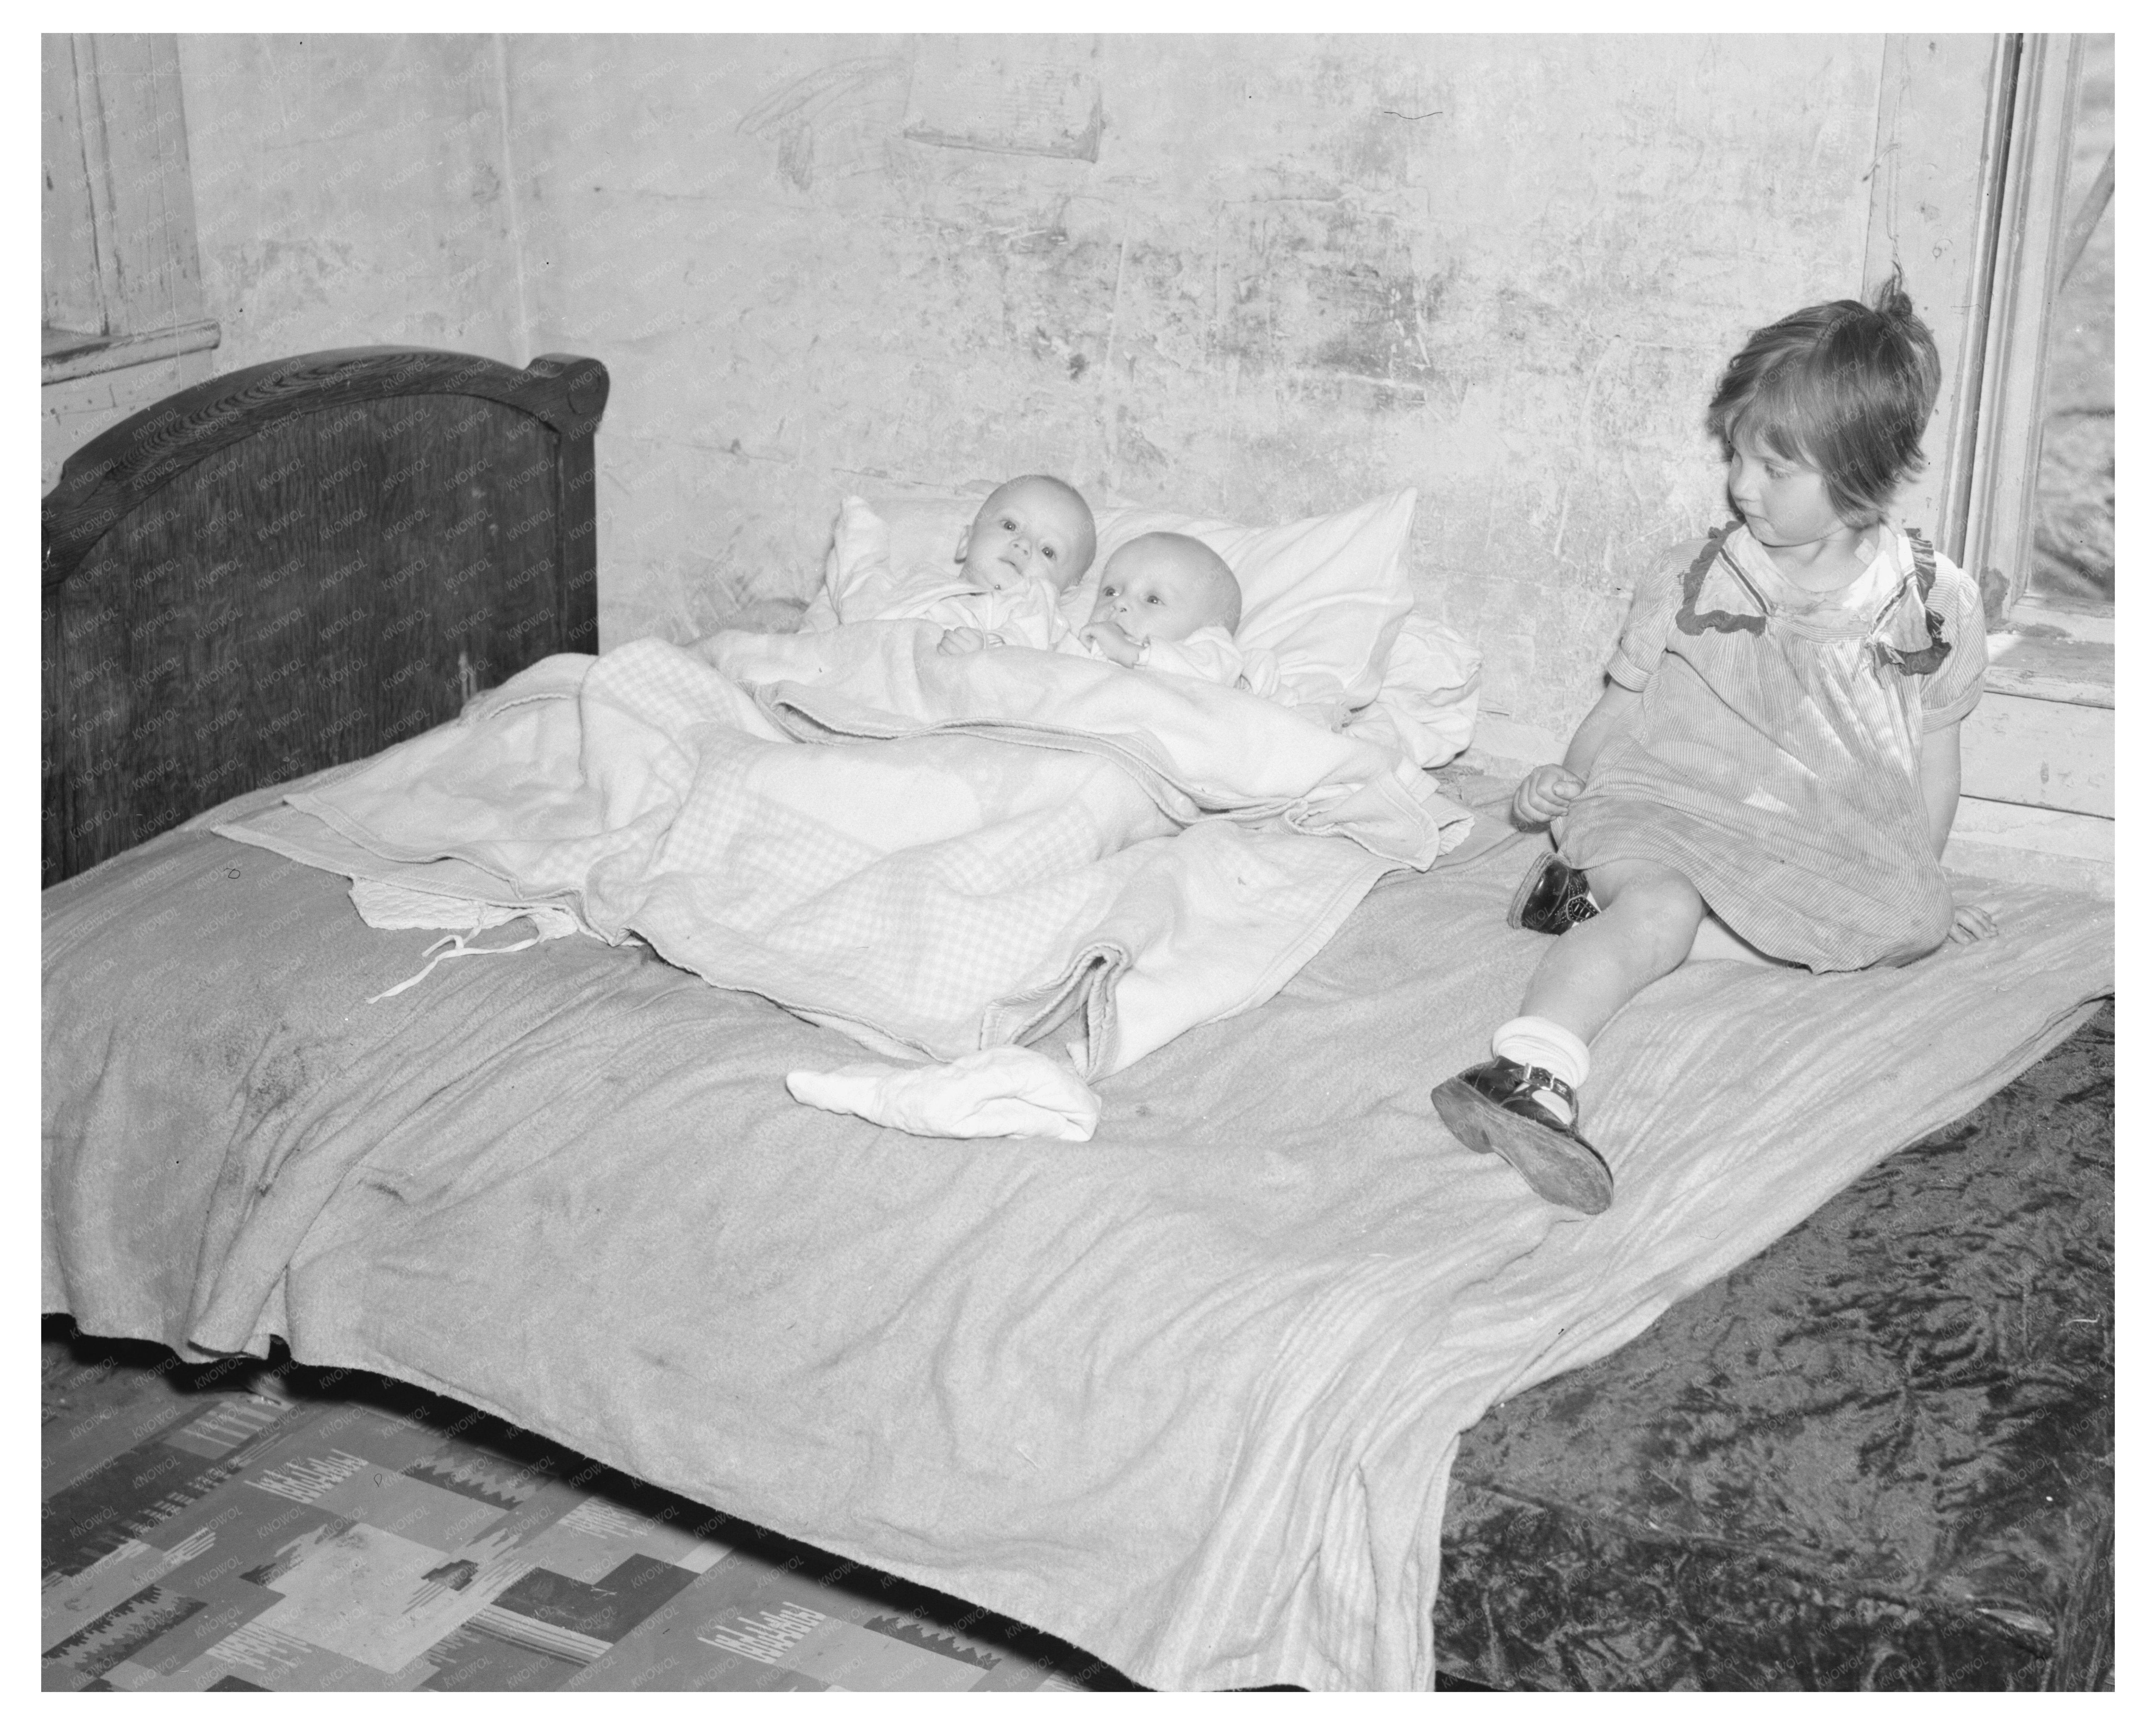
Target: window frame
column 1968, row 189
column 122, row 276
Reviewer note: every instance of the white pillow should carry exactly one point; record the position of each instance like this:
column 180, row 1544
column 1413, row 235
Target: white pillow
column 1326, row 595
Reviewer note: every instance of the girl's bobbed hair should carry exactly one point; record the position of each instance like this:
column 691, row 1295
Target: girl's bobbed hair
column 1844, row 388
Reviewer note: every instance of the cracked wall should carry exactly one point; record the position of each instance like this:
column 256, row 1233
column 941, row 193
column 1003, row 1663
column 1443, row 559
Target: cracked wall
column 350, row 190
column 1278, row 275
column 1264, row 276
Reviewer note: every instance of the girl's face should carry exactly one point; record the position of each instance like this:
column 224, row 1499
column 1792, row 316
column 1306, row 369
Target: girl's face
column 1784, row 502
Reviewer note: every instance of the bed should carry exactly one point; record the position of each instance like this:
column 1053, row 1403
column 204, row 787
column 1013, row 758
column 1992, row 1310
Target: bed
column 1187, row 1393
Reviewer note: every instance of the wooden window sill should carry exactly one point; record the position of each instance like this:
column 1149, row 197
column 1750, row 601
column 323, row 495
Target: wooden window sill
column 67, row 355
column 2042, row 738
column 2049, row 651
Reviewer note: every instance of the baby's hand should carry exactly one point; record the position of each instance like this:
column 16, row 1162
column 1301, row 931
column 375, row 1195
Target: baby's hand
column 1543, row 794
column 1113, row 642
column 961, row 640
column 1973, row 922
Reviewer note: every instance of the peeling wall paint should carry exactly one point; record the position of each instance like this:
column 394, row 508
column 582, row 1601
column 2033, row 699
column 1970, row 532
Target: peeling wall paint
column 350, row 191
column 1265, row 276
column 1300, row 270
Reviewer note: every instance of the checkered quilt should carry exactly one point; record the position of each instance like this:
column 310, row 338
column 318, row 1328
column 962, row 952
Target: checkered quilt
column 936, row 854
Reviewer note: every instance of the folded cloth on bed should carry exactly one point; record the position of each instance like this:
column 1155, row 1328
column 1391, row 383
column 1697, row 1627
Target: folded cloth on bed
column 1186, row 1395
column 998, row 1093
column 936, row 854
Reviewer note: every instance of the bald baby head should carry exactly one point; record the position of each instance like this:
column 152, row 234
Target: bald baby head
column 1034, row 527
column 1165, row 587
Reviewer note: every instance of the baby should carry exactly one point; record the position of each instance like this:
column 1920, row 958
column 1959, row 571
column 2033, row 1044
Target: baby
column 1170, row 602
column 1029, row 541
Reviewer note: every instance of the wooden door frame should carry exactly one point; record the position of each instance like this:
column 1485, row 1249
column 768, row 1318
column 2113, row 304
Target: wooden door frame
column 1968, row 199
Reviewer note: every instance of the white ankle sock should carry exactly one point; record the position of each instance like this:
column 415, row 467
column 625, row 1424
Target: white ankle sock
column 1544, row 1043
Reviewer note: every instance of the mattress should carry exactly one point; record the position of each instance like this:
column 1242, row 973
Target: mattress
column 1188, row 1396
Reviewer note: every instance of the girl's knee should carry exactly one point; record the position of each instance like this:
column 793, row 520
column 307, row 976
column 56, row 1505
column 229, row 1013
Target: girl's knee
column 1660, row 906
column 1649, row 889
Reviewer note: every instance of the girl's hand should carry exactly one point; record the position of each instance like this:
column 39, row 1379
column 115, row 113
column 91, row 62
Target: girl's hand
column 1973, row 922
column 1113, row 643
column 961, row 640
column 1543, row 794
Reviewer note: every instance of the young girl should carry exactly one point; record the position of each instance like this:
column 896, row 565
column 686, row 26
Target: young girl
column 1771, row 771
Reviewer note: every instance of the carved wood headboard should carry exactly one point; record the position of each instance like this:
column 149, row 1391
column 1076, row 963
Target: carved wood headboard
column 298, row 564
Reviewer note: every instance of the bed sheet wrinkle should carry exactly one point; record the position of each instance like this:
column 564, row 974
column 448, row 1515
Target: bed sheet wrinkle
column 1246, row 1478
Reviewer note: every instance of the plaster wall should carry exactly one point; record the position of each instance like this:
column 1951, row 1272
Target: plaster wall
column 349, row 191
column 1263, row 276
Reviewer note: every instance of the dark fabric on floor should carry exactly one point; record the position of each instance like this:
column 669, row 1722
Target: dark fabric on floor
column 1876, row 1456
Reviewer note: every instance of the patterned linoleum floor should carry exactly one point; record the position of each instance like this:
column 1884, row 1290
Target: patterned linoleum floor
column 251, row 1527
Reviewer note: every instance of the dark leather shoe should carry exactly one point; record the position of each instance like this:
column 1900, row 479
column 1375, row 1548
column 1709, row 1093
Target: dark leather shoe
column 1552, row 897
column 1492, row 1109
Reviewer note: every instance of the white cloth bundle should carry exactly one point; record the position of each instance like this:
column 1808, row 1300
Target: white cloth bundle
column 1007, row 1092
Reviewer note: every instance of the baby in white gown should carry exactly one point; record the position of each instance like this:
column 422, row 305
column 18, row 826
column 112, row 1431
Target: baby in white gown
column 1028, row 542
column 1170, row 602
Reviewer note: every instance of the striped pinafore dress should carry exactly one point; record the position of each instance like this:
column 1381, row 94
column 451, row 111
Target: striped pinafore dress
column 1775, row 761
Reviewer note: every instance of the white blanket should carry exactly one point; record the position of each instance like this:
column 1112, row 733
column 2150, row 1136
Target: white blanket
column 938, row 856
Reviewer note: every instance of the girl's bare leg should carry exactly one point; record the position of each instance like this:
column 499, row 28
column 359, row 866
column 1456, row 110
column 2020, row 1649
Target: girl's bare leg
column 1716, row 939
column 1650, row 921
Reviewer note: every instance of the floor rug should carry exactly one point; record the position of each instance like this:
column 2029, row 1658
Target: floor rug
column 253, row 1525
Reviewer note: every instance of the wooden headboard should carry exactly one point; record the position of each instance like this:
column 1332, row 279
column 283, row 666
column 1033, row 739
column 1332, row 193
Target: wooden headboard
column 298, row 564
